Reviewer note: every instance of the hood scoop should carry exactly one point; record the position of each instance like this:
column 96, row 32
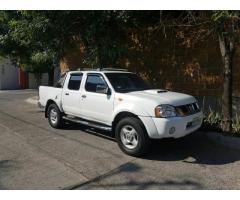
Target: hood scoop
column 157, row 91
column 161, row 91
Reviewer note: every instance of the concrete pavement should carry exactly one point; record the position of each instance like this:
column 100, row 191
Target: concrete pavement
column 35, row 156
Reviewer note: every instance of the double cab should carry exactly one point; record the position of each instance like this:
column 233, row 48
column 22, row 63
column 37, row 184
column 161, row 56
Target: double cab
column 122, row 103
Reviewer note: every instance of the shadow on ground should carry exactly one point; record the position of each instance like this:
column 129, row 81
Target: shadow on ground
column 196, row 145
column 110, row 181
column 88, row 130
column 192, row 149
column 6, row 166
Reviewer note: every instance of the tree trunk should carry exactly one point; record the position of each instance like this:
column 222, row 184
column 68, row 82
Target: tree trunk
column 51, row 77
column 227, row 96
column 226, row 47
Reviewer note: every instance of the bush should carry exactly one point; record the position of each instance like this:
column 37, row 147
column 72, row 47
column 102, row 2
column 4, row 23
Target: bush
column 236, row 125
column 212, row 121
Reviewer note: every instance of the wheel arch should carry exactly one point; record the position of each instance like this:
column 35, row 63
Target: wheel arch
column 49, row 102
column 124, row 114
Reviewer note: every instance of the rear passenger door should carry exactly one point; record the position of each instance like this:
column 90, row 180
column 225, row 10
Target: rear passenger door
column 71, row 96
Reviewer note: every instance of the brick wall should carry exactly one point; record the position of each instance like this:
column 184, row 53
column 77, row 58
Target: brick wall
column 167, row 63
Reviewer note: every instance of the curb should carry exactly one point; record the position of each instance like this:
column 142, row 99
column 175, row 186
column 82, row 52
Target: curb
column 227, row 141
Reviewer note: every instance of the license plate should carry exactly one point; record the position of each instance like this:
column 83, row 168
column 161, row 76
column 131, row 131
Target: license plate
column 196, row 121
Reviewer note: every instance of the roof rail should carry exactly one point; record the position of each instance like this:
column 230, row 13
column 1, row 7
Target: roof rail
column 111, row 69
column 101, row 69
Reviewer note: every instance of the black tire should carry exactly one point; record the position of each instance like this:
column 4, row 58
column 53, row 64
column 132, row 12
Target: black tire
column 143, row 141
column 58, row 123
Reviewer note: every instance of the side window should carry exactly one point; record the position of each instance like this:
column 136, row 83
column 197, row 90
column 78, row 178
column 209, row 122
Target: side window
column 94, row 83
column 74, row 81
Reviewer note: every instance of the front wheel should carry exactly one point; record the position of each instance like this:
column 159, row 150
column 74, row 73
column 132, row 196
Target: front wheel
column 132, row 137
column 54, row 116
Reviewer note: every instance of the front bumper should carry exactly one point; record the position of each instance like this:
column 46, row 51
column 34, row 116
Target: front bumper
column 160, row 127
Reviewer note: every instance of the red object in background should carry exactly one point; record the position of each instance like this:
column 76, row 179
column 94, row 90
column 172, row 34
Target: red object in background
column 23, row 79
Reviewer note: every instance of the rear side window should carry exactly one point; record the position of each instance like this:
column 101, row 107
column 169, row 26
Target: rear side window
column 93, row 81
column 74, row 81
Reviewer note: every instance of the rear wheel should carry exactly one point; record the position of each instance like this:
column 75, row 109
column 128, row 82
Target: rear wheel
column 132, row 137
column 54, row 116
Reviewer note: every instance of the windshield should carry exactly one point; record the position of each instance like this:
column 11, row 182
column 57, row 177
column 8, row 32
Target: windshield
column 127, row 82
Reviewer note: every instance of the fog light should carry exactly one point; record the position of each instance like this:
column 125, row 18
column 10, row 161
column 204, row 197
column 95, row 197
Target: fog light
column 172, row 130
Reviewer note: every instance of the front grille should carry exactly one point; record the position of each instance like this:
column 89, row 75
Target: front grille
column 188, row 109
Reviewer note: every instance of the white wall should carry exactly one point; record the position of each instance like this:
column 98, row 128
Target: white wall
column 9, row 76
column 32, row 81
column 32, row 84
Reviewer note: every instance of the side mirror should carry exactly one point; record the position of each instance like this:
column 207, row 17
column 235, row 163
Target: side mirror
column 109, row 92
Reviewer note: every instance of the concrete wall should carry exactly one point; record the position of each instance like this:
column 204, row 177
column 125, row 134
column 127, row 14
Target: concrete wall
column 9, row 76
column 32, row 84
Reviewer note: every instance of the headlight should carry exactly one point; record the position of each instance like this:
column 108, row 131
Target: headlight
column 165, row 111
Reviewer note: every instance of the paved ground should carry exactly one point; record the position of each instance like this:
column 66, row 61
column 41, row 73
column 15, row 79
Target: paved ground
column 35, row 156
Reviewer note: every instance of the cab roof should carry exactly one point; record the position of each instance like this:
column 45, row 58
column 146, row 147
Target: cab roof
column 104, row 70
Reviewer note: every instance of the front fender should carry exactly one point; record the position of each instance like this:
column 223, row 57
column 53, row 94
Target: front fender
column 142, row 114
column 132, row 108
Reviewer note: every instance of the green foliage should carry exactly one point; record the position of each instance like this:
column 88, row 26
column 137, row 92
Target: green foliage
column 236, row 124
column 44, row 37
column 25, row 36
column 105, row 37
column 2, row 59
column 212, row 121
column 224, row 15
column 40, row 62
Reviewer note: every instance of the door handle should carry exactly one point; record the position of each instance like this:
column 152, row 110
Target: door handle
column 84, row 96
column 67, row 93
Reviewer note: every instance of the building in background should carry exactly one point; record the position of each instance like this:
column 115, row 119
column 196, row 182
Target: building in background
column 9, row 76
column 12, row 78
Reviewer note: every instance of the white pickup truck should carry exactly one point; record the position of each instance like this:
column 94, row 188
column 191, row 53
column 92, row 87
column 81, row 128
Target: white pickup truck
column 121, row 102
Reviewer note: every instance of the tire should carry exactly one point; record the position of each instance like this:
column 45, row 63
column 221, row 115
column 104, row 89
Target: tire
column 132, row 137
column 54, row 116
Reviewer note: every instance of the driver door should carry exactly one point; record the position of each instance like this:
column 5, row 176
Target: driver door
column 97, row 101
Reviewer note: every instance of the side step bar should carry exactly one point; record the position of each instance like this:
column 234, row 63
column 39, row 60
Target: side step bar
column 88, row 123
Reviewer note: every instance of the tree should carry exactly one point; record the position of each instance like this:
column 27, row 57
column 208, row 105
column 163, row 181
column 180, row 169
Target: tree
column 30, row 39
column 104, row 35
column 227, row 27
column 222, row 25
column 40, row 39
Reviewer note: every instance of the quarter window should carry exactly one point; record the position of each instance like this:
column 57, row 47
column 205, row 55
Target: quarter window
column 74, row 81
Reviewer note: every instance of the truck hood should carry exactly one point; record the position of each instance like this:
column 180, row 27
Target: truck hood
column 161, row 96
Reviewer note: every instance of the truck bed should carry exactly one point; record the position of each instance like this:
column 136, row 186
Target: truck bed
column 46, row 93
